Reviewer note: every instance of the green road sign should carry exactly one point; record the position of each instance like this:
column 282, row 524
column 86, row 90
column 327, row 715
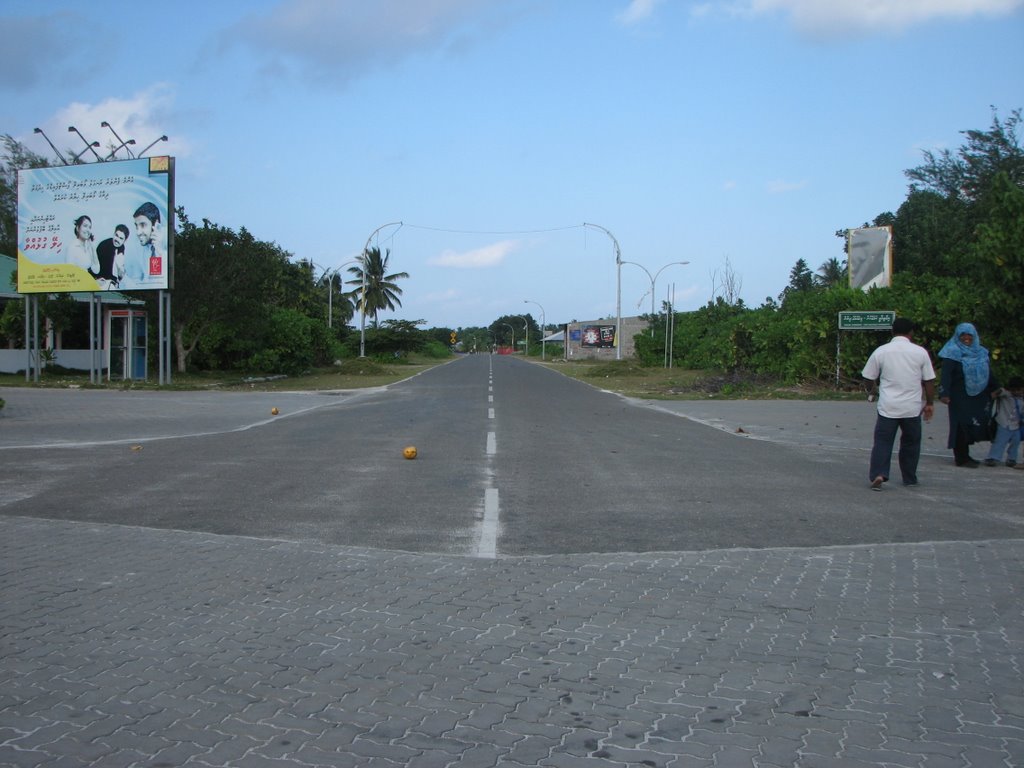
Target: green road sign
column 866, row 321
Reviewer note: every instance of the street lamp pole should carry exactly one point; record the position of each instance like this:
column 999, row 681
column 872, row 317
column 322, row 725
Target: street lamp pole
column 362, row 290
column 526, row 337
column 543, row 322
column 654, row 280
column 513, row 336
column 618, row 289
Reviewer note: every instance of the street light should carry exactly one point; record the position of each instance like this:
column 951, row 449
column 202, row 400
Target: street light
column 653, row 280
column 543, row 323
column 513, row 336
column 618, row 289
column 72, row 129
column 123, row 143
column 526, row 342
column 152, row 144
column 55, row 150
column 362, row 291
column 329, row 275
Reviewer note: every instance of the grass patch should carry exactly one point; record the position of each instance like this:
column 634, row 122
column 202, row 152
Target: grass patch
column 628, row 378
column 350, row 374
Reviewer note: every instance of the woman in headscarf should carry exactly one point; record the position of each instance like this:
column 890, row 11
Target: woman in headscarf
column 966, row 386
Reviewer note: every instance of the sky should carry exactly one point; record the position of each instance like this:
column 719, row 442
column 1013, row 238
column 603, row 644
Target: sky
column 502, row 150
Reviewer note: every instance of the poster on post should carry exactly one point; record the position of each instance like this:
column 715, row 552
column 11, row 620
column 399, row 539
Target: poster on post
column 96, row 227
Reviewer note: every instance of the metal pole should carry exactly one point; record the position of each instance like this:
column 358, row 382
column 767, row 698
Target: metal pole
column 160, row 337
column 618, row 289
column 513, row 336
column 543, row 322
column 362, row 292
column 55, row 151
column 168, row 302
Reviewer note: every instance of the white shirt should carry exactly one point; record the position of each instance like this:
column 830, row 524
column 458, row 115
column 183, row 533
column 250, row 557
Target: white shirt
column 901, row 367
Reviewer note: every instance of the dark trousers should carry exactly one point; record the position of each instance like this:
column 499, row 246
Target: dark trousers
column 910, row 447
column 961, row 446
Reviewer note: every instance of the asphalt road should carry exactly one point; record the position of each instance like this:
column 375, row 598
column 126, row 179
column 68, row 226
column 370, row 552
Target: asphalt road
column 514, row 459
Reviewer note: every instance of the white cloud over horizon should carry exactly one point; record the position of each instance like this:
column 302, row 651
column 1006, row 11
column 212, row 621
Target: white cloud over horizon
column 841, row 18
column 479, row 258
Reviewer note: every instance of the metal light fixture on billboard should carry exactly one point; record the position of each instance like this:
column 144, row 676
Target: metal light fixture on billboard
column 88, row 147
column 120, row 146
column 72, row 129
column 55, row 150
column 155, row 141
column 125, row 146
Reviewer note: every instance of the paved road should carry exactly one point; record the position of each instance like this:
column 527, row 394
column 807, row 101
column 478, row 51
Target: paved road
column 124, row 645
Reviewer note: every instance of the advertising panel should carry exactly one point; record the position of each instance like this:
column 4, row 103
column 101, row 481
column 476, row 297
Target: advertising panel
column 96, row 227
column 598, row 336
column 869, row 256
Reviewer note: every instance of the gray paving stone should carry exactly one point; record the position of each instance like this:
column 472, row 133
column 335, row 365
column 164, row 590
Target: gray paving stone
column 832, row 657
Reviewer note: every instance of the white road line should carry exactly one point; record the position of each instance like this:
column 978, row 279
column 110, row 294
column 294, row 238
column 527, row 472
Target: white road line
column 488, row 544
column 492, row 444
column 490, row 413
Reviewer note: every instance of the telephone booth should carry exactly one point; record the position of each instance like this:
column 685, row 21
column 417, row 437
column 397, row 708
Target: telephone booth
column 126, row 344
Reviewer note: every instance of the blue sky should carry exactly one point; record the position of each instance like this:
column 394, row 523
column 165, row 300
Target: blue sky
column 732, row 134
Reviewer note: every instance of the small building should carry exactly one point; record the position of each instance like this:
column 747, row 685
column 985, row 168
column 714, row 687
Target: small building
column 595, row 339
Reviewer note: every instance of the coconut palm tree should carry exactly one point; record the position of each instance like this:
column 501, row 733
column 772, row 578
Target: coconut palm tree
column 831, row 274
column 381, row 290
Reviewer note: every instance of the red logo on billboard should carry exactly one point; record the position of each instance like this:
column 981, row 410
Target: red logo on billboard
column 156, row 266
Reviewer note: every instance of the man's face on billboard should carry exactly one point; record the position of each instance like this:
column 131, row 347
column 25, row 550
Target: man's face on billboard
column 119, row 238
column 144, row 229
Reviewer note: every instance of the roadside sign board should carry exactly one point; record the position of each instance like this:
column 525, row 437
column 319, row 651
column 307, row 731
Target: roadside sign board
column 880, row 320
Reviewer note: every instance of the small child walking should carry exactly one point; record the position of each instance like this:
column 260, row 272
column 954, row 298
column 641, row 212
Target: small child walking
column 1008, row 407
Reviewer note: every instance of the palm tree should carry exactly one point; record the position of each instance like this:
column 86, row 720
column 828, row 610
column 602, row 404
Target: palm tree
column 831, row 274
column 381, row 291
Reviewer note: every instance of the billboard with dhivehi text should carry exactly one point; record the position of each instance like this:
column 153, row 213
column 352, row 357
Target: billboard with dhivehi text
column 95, row 227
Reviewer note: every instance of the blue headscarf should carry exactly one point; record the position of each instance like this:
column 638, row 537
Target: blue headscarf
column 973, row 358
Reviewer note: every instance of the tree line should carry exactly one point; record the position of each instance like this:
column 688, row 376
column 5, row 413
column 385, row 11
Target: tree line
column 247, row 304
column 958, row 256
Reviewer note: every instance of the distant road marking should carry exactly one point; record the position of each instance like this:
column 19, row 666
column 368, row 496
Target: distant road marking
column 490, row 413
column 492, row 444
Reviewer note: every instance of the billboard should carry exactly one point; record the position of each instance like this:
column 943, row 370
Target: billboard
column 598, row 336
column 869, row 256
column 96, row 227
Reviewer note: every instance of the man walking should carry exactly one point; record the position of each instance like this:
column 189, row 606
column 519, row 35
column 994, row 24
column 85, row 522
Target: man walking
column 898, row 370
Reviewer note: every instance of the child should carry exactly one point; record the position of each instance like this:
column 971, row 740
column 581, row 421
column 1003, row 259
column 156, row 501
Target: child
column 1008, row 406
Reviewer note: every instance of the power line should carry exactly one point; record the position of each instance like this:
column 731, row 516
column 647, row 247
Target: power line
column 494, row 232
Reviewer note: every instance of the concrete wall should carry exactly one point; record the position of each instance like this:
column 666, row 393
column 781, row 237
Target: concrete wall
column 575, row 350
column 14, row 360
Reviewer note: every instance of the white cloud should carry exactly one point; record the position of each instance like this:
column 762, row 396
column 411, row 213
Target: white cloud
column 340, row 40
column 780, row 187
column 441, row 296
column 479, row 258
column 842, row 18
column 637, row 11
column 142, row 117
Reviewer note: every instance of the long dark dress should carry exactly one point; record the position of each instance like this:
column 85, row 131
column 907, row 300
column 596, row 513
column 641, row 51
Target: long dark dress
column 966, row 412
